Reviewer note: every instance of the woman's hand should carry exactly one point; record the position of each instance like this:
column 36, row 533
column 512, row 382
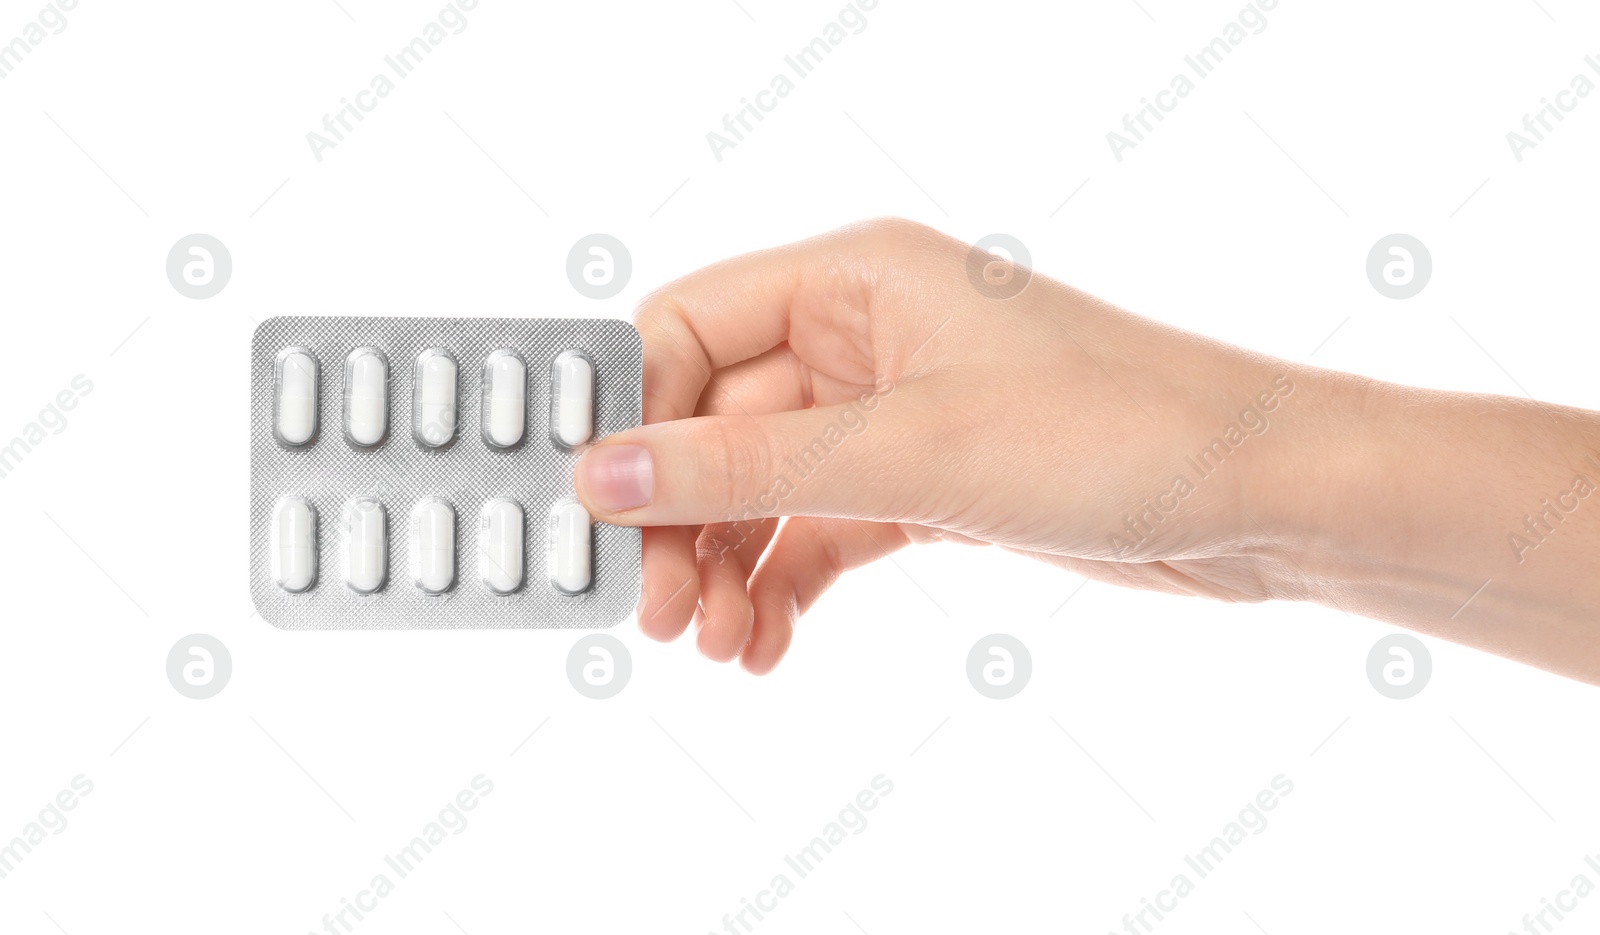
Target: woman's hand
column 885, row 384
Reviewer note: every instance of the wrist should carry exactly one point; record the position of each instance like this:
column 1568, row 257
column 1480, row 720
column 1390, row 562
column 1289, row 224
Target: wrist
column 1408, row 501
column 1324, row 509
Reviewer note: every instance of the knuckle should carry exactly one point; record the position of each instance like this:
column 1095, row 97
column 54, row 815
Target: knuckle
column 656, row 603
column 656, row 307
column 889, row 243
column 663, row 315
column 894, row 229
column 895, row 236
column 831, row 563
column 719, row 539
column 738, row 459
column 710, row 552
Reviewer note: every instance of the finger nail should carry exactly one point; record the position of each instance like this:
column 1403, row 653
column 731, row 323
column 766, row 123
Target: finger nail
column 618, row 477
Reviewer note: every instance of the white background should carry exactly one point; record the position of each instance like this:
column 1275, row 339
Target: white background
column 1150, row 721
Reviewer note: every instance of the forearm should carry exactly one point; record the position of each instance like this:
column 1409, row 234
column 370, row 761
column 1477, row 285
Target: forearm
column 1470, row 517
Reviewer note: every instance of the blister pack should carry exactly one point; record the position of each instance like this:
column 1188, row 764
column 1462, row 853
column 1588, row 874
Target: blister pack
column 417, row 472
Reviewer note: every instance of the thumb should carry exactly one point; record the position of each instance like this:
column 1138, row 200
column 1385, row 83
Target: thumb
column 832, row 461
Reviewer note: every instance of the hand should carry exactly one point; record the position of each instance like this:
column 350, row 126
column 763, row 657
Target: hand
column 864, row 385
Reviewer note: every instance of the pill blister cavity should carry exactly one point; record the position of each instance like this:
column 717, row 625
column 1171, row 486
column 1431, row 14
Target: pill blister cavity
column 433, row 545
column 505, row 398
column 366, row 396
column 570, row 548
column 500, row 560
column 436, row 395
column 572, row 399
column 295, row 396
column 294, row 544
column 366, row 545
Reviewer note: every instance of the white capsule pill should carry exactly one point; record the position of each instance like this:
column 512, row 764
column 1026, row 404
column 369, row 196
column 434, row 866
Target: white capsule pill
column 433, row 545
column 434, row 391
column 572, row 398
column 295, row 409
column 505, row 398
column 366, row 396
column 570, row 546
column 294, row 544
column 500, row 546
column 366, row 545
